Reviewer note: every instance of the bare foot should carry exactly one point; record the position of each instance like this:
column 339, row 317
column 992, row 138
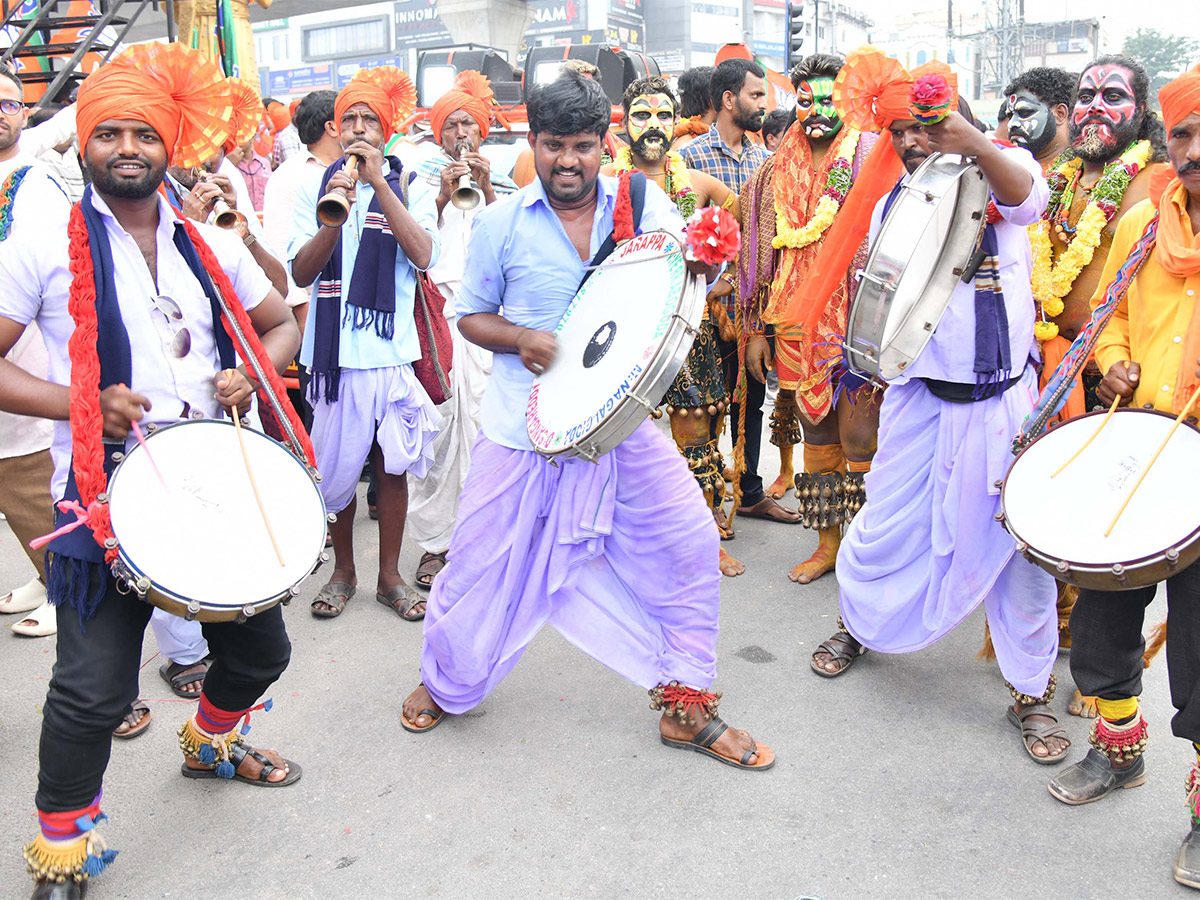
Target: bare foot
column 780, row 485
column 1084, row 707
column 417, row 701
column 730, row 566
column 1050, row 747
column 732, row 743
column 251, row 767
column 815, row 566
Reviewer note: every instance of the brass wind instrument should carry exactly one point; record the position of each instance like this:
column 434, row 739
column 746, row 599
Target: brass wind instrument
column 334, row 208
column 224, row 215
column 464, row 197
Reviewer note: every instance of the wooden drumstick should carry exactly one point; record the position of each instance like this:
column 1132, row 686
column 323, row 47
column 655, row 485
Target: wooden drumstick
column 237, row 426
column 1112, row 409
column 1178, row 421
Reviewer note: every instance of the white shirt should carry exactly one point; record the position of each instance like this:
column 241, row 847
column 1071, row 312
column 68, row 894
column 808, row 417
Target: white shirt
column 279, row 202
column 34, row 264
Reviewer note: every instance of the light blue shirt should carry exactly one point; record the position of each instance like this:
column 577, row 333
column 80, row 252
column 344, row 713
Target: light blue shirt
column 364, row 349
column 522, row 264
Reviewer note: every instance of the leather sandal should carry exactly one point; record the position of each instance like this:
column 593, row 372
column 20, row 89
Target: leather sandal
column 177, row 675
column 403, row 600
column 133, row 723
column 335, row 595
column 702, row 743
column 841, row 647
column 1031, row 732
column 428, row 568
column 1094, row 777
column 237, row 753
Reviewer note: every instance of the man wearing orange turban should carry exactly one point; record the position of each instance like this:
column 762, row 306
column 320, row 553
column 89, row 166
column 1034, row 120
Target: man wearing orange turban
column 460, row 120
column 1150, row 358
column 125, row 293
column 360, row 339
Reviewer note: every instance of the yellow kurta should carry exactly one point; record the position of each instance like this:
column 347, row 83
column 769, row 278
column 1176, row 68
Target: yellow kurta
column 1150, row 326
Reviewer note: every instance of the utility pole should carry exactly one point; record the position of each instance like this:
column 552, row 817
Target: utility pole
column 816, row 26
column 748, row 25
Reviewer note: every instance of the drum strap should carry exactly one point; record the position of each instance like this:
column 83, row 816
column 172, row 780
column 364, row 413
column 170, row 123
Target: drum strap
column 637, row 202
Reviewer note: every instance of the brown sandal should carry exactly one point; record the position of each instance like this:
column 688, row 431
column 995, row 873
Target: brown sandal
column 428, row 568
column 132, row 723
column 1032, row 732
column 841, row 649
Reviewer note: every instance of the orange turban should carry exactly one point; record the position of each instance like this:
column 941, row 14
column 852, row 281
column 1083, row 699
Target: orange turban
column 871, row 90
column 277, row 115
column 247, row 113
column 174, row 90
column 1180, row 98
column 386, row 90
column 471, row 92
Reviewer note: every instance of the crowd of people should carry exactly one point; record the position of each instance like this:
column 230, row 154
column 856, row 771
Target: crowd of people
column 124, row 293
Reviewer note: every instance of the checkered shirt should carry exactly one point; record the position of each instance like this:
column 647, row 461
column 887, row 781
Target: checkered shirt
column 709, row 154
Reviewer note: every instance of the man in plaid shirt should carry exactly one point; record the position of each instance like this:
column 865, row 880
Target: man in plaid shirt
column 739, row 96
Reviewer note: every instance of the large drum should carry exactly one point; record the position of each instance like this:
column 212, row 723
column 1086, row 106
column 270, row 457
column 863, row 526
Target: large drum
column 198, row 547
column 1059, row 522
column 621, row 343
column 924, row 248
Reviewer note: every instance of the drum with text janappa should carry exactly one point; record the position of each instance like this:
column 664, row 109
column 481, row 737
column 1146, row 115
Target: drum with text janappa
column 1059, row 521
column 193, row 542
column 621, row 342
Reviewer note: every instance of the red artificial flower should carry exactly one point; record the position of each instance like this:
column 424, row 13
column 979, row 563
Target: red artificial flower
column 713, row 236
column 930, row 91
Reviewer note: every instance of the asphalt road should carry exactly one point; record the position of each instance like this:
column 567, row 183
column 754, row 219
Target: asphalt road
column 901, row 779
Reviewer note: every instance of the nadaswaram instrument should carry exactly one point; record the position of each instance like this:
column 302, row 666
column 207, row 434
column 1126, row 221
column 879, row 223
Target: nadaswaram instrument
column 621, row 342
column 925, row 247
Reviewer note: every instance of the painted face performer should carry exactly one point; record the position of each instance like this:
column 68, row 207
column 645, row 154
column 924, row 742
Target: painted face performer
column 1145, row 364
column 583, row 543
column 696, row 401
column 361, row 339
column 924, row 551
column 1039, row 105
column 789, row 206
column 461, row 120
column 85, row 272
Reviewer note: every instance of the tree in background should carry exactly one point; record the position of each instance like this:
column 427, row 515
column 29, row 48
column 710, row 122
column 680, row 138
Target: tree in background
column 1163, row 55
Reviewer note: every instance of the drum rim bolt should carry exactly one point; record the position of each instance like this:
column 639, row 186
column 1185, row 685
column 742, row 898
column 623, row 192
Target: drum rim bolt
column 102, row 497
column 324, row 557
column 193, row 606
column 110, row 543
column 317, row 477
column 332, row 517
column 999, row 517
column 117, row 457
column 1063, row 566
column 248, row 610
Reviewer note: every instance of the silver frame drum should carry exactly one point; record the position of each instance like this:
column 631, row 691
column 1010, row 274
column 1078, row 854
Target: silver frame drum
column 132, row 579
column 1120, row 574
column 647, row 390
column 883, row 339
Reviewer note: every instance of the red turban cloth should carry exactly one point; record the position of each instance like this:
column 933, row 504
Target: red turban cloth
column 386, row 90
column 174, row 90
column 1180, row 98
column 247, row 113
column 471, row 92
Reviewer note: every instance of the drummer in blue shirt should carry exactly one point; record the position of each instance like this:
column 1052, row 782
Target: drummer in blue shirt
column 620, row 556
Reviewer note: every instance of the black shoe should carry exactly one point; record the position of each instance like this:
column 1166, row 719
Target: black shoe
column 1094, row 777
column 51, row 890
column 1187, row 860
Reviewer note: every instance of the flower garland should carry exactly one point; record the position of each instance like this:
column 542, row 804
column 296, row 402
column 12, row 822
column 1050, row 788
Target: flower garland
column 678, row 184
column 1053, row 281
column 837, row 186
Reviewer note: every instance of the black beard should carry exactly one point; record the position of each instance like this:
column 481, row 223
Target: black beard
column 651, row 154
column 585, row 190
column 1088, row 145
column 749, row 121
column 106, row 183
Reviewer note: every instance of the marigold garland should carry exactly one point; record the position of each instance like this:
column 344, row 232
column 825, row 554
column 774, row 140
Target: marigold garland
column 678, row 182
column 1052, row 281
column 837, row 186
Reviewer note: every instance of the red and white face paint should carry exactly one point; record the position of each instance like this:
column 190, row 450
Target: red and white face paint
column 1105, row 116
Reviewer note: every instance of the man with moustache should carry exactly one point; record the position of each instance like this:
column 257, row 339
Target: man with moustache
column 361, row 339
column 738, row 89
column 924, row 551
column 1109, row 122
column 619, row 555
column 1148, row 352
column 120, row 287
column 697, row 397
column 797, row 196
column 1038, row 102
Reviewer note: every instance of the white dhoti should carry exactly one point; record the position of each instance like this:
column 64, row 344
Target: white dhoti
column 387, row 406
column 433, row 500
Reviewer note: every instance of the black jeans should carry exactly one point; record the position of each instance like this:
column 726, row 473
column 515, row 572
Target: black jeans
column 756, row 392
column 1107, row 645
column 96, row 678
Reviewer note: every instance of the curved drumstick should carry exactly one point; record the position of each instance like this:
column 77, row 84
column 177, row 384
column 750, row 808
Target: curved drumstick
column 237, row 426
column 1108, row 415
column 1178, row 421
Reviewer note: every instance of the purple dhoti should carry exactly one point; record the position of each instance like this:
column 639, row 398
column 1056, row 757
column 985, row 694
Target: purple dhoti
column 926, row 549
column 387, row 406
column 620, row 557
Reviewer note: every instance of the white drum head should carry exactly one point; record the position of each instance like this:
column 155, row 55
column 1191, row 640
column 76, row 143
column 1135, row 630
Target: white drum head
column 607, row 339
column 203, row 538
column 1066, row 517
